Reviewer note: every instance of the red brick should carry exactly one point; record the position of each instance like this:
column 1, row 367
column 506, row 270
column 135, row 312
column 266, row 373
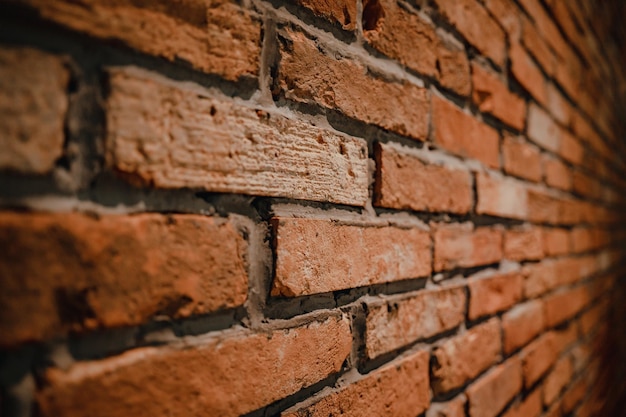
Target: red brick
column 74, row 272
column 545, row 24
column 464, row 357
column 590, row 320
column 399, row 34
column 216, row 37
column 342, row 12
column 463, row 135
column 549, row 274
column 542, row 129
column 492, row 96
column 543, row 207
column 502, row 197
column 522, row 324
column 521, row 159
column 530, row 407
column 490, row 394
column 523, row 244
column 537, row 358
column 527, row 73
column 345, row 85
column 493, row 294
column 33, row 105
column 229, row 375
column 557, row 174
column 406, row 180
column 474, row 22
column 454, row 68
column 584, row 185
column 565, row 337
column 400, row 388
column 317, row 256
column 400, row 321
column 453, row 408
column 571, row 149
column 574, row 395
column 558, row 106
column 508, row 15
column 462, row 246
column 555, row 241
column 538, row 47
column 564, row 305
column 172, row 135
column 556, row 380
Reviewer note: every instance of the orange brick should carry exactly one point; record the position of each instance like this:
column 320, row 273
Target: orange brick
column 404, row 180
column 537, row 358
column 463, row 357
column 564, row 305
column 172, row 135
column 523, row 244
column 502, row 197
column 522, row 324
column 453, row 408
column 493, row 294
column 317, row 256
column 342, row 12
column 490, row 394
column 527, row 73
column 543, row 207
column 345, row 85
column 557, row 174
column 508, row 15
column 557, row 380
column 399, row 388
column 492, row 96
column 199, row 33
column 542, row 129
column 474, row 22
column 530, row 407
column 545, row 24
column 74, row 272
column 555, row 241
column 463, row 135
column 33, row 105
column 461, row 246
column 521, row 159
column 403, row 320
column 538, row 48
column 230, row 375
column 454, row 67
column 574, row 395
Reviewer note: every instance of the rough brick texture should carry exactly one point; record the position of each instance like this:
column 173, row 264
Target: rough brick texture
column 312, row 208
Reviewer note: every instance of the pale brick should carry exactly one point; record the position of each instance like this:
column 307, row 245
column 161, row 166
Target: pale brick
column 461, row 246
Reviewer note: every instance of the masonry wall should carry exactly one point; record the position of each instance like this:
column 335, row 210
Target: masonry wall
column 309, row 208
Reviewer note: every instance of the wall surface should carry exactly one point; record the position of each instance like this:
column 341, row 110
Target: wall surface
column 311, row 208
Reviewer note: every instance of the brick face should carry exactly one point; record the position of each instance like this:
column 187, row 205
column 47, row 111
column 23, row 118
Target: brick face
column 205, row 379
column 31, row 129
column 181, row 265
column 521, row 324
column 493, row 294
column 488, row 396
column 501, row 197
column 341, row 12
column 310, row 253
column 521, row 159
column 462, row 246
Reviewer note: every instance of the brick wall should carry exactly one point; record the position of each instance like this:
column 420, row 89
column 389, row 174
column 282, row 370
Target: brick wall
column 310, row 208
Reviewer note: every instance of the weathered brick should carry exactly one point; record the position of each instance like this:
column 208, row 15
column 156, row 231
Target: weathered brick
column 462, row 246
column 564, row 305
column 473, row 21
column 538, row 48
column 492, row 96
column 401, row 321
column 523, row 244
column 555, row 241
column 217, row 37
column 317, row 256
column 74, row 272
column 342, row 12
column 527, row 73
column 493, row 294
column 574, row 395
column 502, row 197
column 542, row 130
column 521, row 158
column 558, row 106
column 401, row 35
column 406, row 180
column 231, row 375
column 556, row 173
column 545, row 24
column 172, row 135
column 537, row 358
column 530, row 407
column 463, row 135
column 345, row 85
column 400, row 388
column 543, row 207
column 557, row 380
column 488, row 396
column 454, row 67
column 33, row 105
column 507, row 14
column 453, row 408
column 522, row 324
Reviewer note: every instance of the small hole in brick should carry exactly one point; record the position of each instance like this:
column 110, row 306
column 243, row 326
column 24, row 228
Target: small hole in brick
column 372, row 14
column 213, row 110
